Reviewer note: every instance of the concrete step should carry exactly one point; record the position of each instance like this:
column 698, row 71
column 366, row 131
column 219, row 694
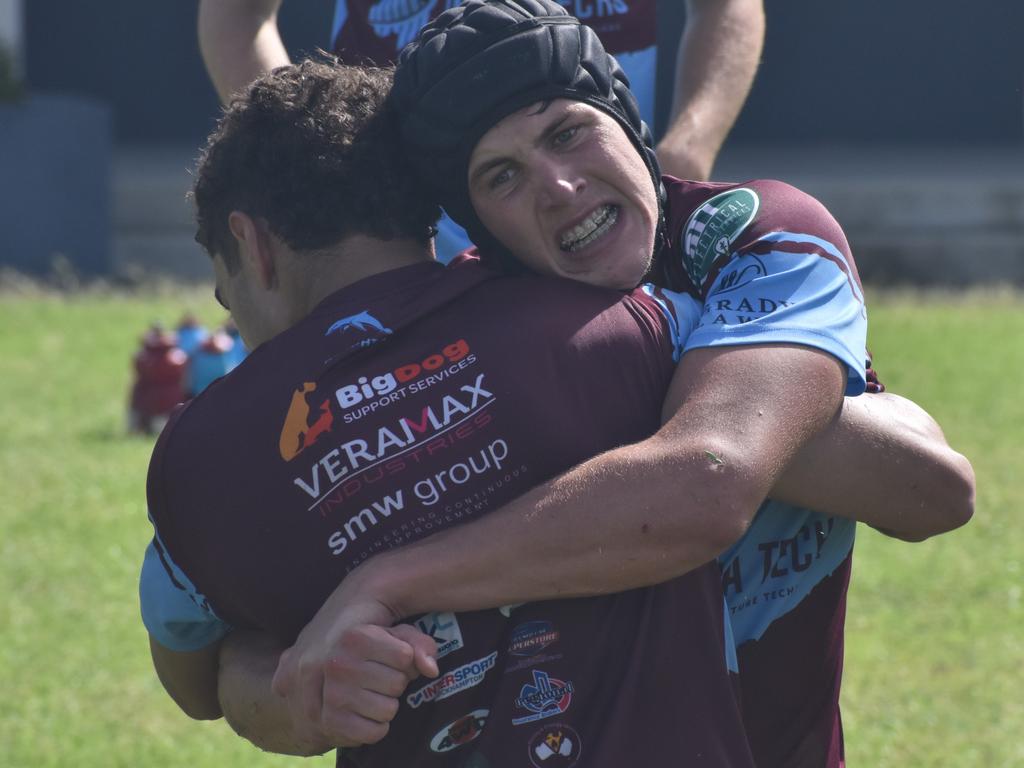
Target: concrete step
column 929, row 216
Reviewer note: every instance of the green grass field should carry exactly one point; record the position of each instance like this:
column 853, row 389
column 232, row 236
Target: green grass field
column 936, row 630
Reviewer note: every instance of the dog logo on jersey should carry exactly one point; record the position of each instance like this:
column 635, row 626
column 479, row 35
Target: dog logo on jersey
column 713, row 228
column 555, row 746
column 298, row 433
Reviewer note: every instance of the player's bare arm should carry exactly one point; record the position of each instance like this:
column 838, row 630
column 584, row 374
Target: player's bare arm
column 190, row 678
column 715, row 67
column 247, row 662
column 884, row 462
column 239, row 41
column 634, row 516
column 691, row 491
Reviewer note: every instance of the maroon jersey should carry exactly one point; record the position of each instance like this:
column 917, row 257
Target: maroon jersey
column 410, row 402
column 771, row 265
column 377, row 30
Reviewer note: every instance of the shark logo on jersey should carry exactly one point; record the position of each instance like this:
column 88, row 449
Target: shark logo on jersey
column 364, row 322
column 713, row 228
column 450, row 683
column 370, row 328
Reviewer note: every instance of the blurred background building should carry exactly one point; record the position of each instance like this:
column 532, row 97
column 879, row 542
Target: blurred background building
column 905, row 119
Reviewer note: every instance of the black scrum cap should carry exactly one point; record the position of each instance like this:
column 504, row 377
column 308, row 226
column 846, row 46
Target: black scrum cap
column 479, row 62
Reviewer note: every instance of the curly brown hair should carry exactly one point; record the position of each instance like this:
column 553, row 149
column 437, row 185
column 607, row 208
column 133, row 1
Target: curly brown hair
column 309, row 149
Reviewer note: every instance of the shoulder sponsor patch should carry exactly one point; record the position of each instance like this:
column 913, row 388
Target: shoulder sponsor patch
column 461, row 731
column 713, row 227
column 450, row 683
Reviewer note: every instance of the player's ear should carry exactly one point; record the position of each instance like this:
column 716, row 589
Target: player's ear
column 255, row 245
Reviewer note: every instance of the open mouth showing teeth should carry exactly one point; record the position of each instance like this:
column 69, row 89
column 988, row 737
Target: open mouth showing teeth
column 590, row 229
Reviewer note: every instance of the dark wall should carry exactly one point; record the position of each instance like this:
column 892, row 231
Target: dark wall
column 885, row 71
column 143, row 58
column 834, row 71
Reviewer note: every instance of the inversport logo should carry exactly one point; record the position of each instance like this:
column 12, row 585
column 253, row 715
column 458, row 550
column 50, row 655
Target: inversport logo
column 450, row 683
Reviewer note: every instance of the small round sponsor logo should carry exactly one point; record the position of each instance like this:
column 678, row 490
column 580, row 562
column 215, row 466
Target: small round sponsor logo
column 459, row 732
column 555, row 746
column 712, row 229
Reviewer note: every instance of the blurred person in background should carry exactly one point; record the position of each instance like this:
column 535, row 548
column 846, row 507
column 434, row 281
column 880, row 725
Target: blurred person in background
column 718, row 54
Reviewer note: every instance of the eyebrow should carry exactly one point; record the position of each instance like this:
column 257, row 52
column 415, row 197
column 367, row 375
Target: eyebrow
column 547, row 133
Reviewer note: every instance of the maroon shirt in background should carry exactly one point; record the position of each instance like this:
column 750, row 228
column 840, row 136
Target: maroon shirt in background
column 790, row 679
column 377, row 30
column 419, row 399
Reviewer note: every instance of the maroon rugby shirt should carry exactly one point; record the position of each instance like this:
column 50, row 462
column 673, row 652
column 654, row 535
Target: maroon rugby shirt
column 416, row 400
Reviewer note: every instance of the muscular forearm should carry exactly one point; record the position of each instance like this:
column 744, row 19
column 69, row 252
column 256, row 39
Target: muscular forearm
column 239, row 41
column 634, row 516
column 885, row 462
column 247, row 664
column 715, row 67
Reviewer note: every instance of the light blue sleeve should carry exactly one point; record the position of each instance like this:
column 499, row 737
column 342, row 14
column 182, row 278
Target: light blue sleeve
column 784, row 555
column 681, row 311
column 174, row 612
column 340, row 15
column 792, row 291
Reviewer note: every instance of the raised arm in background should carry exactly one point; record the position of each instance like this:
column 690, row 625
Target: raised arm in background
column 715, row 66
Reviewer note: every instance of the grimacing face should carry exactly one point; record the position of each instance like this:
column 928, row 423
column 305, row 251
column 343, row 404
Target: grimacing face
column 561, row 186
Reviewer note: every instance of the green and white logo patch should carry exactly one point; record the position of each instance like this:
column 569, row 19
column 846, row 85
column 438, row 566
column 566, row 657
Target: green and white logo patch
column 713, row 227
